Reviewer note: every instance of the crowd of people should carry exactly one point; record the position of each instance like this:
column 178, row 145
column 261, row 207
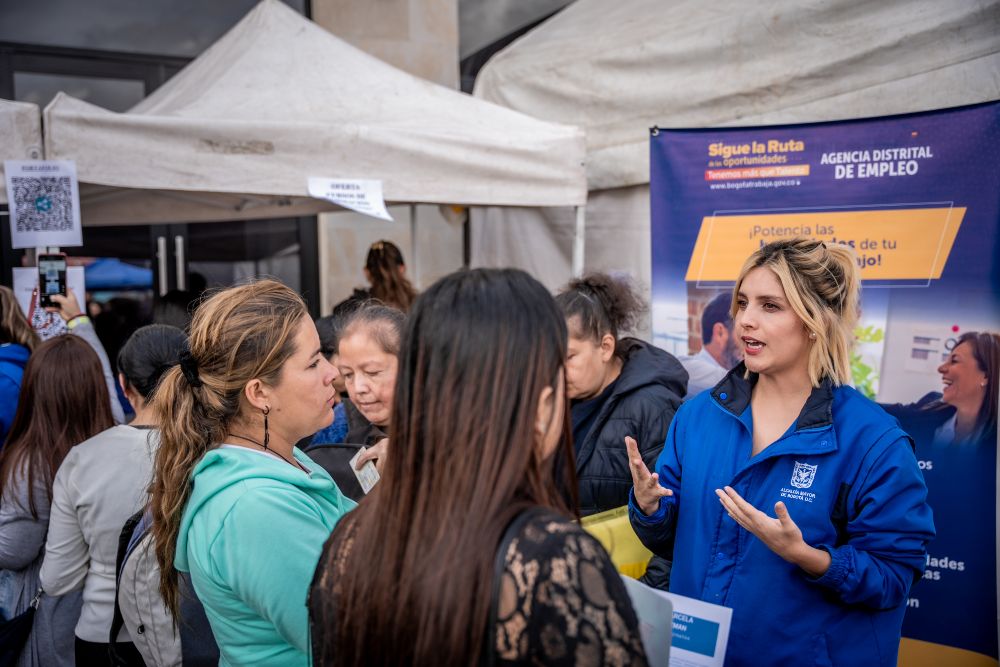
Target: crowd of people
column 225, row 524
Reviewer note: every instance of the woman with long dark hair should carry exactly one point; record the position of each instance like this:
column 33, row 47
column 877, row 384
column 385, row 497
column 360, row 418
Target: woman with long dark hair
column 419, row 574
column 100, row 484
column 64, row 401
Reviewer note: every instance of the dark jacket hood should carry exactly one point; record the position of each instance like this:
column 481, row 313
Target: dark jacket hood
column 647, row 364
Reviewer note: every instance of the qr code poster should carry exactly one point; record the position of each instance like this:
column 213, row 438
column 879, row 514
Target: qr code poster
column 44, row 201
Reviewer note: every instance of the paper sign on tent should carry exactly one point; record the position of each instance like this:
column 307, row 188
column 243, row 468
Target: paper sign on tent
column 44, row 201
column 363, row 196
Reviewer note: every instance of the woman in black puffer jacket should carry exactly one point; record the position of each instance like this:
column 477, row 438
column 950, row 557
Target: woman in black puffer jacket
column 618, row 387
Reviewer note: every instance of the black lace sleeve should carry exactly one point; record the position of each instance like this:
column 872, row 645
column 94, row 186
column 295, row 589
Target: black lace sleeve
column 562, row 602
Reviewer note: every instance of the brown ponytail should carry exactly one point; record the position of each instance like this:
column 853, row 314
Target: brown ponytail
column 389, row 285
column 237, row 335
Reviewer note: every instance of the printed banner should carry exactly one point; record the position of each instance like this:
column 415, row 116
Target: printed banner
column 918, row 198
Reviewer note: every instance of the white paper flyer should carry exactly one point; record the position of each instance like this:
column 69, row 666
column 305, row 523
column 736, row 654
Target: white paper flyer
column 699, row 630
column 363, row 196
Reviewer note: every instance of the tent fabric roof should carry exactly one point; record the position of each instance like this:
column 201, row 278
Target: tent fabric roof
column 278, row 99
column 619, row 68
column 20, row 136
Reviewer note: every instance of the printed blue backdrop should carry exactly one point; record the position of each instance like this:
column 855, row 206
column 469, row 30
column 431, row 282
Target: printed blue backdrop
column 918, row 196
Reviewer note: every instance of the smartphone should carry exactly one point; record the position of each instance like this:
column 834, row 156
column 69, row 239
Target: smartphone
column 51, row 278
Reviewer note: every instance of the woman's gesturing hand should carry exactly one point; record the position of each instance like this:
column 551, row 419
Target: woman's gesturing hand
column 646, row 484
column 781, row 535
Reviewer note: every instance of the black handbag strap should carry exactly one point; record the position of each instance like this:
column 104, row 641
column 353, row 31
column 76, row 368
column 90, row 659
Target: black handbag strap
column 489, row 654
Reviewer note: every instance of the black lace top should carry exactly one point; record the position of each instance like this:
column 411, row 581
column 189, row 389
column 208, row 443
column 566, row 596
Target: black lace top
column 561, row 600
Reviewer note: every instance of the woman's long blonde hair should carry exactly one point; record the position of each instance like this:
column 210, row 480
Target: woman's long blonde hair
column 14, row 326
column 237, row 335
column 822, row 284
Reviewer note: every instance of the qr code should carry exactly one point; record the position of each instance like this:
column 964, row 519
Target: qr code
column 43, row 203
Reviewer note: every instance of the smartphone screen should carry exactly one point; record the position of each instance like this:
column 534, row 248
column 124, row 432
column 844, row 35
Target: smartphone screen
column 51, row 278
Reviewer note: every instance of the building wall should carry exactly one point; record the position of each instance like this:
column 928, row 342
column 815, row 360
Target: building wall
column 417, row 36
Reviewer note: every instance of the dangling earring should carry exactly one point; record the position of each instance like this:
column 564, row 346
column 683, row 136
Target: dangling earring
column 267, row 435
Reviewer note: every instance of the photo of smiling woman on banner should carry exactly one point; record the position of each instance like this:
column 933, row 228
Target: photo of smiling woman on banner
column 788, row 495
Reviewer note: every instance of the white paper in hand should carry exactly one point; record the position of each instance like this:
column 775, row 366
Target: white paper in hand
column 368, row 475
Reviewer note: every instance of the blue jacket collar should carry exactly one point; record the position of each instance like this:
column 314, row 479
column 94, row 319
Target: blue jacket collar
column 734, row 390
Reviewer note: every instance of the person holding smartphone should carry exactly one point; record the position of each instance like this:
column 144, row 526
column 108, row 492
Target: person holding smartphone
column 785, row 493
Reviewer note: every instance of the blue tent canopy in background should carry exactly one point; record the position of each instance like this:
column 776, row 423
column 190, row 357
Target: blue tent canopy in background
column 113, row 274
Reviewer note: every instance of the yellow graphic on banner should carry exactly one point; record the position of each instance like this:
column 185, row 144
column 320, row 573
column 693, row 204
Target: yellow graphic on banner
column 916, row 653
column 898, row 244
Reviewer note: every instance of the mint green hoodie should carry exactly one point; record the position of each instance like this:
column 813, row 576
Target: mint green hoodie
column 251, row 535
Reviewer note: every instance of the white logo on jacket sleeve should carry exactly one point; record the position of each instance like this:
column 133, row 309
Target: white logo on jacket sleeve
column 803, row 475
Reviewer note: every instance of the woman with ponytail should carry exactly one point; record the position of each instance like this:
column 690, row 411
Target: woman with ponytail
column 386, row 272
column 233, row 502
column 784, row 493
column 617, row 386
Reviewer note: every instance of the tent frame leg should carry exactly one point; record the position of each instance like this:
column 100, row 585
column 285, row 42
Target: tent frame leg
column 579, row 241
column 413, row 268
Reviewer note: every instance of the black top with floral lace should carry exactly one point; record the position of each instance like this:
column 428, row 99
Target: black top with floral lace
column 562, row 602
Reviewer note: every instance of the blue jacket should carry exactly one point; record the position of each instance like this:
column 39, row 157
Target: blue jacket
column 13, row 357
column 847, row 474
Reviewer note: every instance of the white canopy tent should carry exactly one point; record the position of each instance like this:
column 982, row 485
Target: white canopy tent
column 618, row 69
column 238, row 132
column 20, row 136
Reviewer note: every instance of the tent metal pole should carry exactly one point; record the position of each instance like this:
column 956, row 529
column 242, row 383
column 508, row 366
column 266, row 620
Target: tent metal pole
column 579, row 240
column 413, row 267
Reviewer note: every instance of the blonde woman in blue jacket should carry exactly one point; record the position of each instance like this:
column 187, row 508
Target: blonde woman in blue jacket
column 793, row 499
column 234, row 503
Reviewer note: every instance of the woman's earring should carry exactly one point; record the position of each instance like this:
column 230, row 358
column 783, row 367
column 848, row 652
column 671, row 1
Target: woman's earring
column 267, row 435
column 812, row 335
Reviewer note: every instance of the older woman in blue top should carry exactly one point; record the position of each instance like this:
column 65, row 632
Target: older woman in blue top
column 792, row 498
